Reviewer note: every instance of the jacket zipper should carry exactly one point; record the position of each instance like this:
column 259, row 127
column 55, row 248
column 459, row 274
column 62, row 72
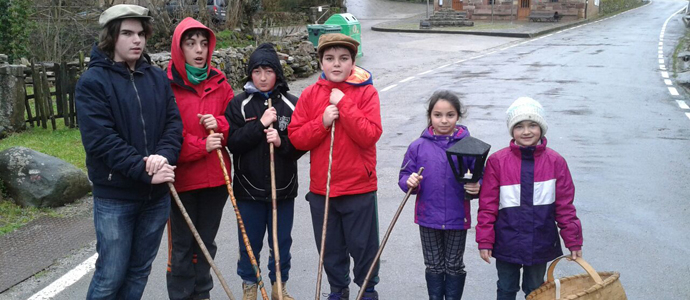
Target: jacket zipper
column 143, row 123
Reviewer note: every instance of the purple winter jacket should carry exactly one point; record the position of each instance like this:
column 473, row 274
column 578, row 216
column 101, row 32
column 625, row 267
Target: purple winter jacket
column 440, row 197
column 527, row 192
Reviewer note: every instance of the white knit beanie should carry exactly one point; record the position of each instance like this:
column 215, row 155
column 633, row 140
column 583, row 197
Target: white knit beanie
column 525, row 108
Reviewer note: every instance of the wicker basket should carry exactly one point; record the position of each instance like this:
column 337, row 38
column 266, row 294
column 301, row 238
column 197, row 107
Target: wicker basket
column 590, row 286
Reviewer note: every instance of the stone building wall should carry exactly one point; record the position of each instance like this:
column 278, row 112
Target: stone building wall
column 507, row 10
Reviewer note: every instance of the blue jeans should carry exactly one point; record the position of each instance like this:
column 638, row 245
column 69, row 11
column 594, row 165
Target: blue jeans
column 258, row 217
column 509, row 279
column 128, row 234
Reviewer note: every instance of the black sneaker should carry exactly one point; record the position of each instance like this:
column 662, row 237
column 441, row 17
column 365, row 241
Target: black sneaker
column 373, row 295
column 343, row 294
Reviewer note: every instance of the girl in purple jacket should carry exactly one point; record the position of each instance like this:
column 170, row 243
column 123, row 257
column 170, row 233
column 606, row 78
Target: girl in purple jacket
column 527, row 191
column 441, row 210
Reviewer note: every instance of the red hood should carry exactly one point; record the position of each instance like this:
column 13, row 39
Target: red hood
column 358, row 77
column 177, row 54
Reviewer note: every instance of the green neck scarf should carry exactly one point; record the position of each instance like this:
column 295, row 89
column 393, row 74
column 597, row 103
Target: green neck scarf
column 196, row 75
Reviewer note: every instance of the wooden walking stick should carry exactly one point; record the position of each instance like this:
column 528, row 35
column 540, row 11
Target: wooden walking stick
column 240, row 224
column 325, row 215
column 202, row 246
column 385, row 239
column 276, row 251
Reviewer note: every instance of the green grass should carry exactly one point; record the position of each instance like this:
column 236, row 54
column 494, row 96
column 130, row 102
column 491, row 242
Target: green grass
column 63, row 143
column 228, row 38
column 13, row 216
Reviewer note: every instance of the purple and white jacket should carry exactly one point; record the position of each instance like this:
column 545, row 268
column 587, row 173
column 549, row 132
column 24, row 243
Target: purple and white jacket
column 526, row 192
column 440, row 197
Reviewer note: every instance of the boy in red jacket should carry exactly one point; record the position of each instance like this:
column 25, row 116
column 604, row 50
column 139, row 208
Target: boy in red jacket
column 202, row 93
column 343, row 100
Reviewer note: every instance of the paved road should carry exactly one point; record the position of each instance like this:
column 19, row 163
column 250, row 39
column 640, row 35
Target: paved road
column 610, row 115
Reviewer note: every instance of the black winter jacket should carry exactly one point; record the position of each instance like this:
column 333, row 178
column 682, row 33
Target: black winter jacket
column 251, row 155
column 123, row 117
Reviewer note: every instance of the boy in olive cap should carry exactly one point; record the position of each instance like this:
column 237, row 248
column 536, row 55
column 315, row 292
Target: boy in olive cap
column 131, row 131
column 343, row 102
column 249, row 139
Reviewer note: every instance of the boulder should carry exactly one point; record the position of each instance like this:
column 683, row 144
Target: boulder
column 36, row 179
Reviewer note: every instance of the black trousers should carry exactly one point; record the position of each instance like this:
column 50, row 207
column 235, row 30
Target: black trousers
column 352, row 232
column 189, row 274
column 443, row 250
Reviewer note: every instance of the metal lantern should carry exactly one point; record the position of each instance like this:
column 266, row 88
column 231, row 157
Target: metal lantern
column 468, row 147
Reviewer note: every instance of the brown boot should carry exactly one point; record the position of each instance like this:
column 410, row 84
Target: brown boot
column 275, row 293
column 249, row 291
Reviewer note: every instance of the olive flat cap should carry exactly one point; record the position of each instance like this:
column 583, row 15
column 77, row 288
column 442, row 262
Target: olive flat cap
column 123, row 11
column 336, row 39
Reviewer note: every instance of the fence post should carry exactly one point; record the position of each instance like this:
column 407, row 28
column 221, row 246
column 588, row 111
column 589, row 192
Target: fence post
column 72, row 105
column 38, row 96
column 58, row 88
column 64, row 83
column 29, row 117
column 49, row 98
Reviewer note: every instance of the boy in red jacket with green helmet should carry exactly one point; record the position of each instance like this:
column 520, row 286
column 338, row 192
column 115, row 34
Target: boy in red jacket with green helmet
column 345, row 101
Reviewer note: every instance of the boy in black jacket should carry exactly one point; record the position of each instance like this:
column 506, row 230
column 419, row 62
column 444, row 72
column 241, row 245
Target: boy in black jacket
column 248, row 140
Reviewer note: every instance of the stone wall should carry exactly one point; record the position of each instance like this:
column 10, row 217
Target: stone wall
column 12, row 97
column 296, row 54
column 507, row 10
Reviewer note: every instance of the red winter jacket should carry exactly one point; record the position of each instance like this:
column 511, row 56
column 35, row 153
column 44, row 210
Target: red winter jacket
column 197, row 168
column 356, row 132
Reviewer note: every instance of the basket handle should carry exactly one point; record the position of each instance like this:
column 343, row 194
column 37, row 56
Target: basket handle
column 580, row 261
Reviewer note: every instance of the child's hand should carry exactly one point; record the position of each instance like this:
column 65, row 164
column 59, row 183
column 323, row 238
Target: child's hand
column 336, row 96
column 165, row 174
column 472, row 188
column 269, row 117
column 330, row 115
column 486, row 255
column 208, row 121
column 413, row 180
column 154, row 163
column 575, row 254
column 213, row 142
column 272, row 137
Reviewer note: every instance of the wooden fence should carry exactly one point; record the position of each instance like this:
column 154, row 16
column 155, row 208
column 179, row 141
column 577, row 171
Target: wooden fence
column 51, row 104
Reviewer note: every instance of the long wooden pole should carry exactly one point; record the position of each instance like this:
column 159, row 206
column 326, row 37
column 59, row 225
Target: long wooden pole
column 276, row 251
column 325, row 215
column 240, row 223
column 202, row 246
column 385, row 239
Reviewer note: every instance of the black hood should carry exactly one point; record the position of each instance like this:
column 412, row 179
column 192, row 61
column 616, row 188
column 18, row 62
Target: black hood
column 100, row 59
column 266, row 55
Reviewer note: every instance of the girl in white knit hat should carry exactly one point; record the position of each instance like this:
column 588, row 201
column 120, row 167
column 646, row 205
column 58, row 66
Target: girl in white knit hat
column 527, row 194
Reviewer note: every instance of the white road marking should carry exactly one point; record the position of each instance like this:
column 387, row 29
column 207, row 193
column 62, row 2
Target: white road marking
column 661, row 61
column 661, row 56
column 673, row 91
column 687, row 115
column 668, row 82
column 443, row 66
column 662, row 67
column 407, row 79
column 66, row 280
column 682, row 104
column 427, row 72
column 664, row 74
column 388, row 88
